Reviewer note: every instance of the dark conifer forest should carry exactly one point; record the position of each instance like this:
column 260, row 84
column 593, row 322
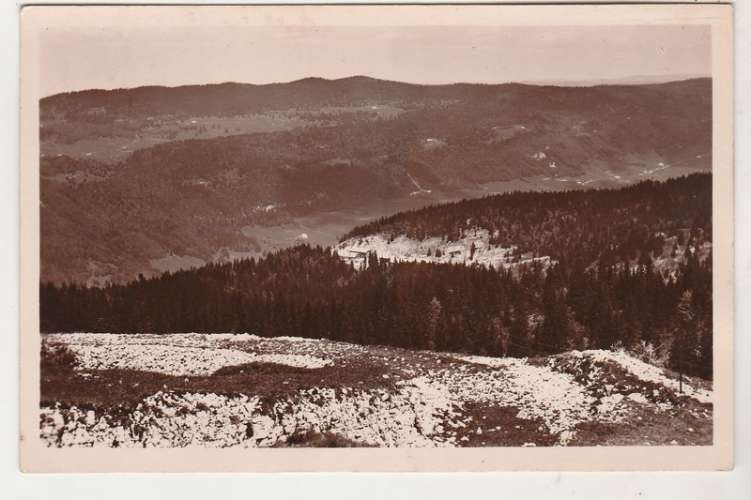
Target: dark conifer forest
column 630, row 268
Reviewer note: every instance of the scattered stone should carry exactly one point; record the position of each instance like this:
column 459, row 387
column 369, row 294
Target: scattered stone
column 637, row 397
column 425, row 409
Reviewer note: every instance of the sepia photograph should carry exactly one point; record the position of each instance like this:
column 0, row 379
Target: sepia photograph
column 413, row 228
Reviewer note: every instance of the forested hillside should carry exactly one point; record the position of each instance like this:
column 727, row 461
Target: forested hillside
column 582, row 226
column 141, row 180
column 631, row 268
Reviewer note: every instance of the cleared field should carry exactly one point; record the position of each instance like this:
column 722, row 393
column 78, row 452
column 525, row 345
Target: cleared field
column 241, row 390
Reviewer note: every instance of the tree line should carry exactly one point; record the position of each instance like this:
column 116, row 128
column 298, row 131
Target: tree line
column 310, row 292
column 648, row 288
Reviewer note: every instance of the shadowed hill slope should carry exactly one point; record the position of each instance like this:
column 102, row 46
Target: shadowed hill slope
column 132, row 178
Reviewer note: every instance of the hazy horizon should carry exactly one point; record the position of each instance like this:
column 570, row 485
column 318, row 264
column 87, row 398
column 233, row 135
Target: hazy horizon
column 85, row 59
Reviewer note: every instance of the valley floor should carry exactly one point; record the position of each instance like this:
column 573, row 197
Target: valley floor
column 225, row 390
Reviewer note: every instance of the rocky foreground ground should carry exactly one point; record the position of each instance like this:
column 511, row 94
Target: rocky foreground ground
column 225, row 390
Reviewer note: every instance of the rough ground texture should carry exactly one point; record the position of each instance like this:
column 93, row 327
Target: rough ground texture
column 240, row 390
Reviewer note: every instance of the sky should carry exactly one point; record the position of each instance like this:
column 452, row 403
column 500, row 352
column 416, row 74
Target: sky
column 109, row 58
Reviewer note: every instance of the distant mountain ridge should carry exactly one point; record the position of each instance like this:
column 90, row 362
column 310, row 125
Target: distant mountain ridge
column 235, row 96
column 354, row 79
column 626, row 80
